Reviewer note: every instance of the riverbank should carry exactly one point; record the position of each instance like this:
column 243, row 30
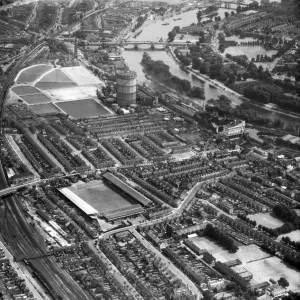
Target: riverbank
column 236, row 98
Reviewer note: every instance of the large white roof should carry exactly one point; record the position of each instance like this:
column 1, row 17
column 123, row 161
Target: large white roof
column 85, row 207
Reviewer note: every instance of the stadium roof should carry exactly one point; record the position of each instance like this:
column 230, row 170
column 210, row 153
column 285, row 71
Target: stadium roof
column 81, row 204
column 123, row 212
column 127, row 189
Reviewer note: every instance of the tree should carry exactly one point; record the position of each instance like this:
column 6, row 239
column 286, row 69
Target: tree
column 239, row 9
column 199, row 14
column 283, row 282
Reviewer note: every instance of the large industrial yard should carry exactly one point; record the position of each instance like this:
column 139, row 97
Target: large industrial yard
column 70, row 90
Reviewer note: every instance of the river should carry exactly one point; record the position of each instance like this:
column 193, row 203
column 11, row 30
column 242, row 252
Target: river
column 154, row 31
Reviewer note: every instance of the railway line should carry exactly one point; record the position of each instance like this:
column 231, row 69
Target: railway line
column 23, row 239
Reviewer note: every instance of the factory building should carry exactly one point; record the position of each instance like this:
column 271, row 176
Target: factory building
column 126, row 88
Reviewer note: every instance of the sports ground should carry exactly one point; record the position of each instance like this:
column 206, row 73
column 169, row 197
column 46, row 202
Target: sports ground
column 259, row 263
column 265, row 219
column 100, row 196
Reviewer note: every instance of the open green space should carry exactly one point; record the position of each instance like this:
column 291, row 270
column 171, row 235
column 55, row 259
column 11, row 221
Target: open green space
column 250, row 51
column 294, row 236
column 83, row 108
column 100, row 196
column 265, row 219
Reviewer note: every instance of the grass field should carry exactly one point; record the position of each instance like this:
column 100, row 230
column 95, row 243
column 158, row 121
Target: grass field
column 25, row 90
column 294, row 235
column 32, row 73
column 265, row 219
column 250, row 52
column 100, row 196
column 259, row 263
column 36, row 98
column 83, row 108
column 41, row 109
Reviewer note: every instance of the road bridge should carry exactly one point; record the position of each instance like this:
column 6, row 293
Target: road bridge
column 230, row 4
column 151, row 44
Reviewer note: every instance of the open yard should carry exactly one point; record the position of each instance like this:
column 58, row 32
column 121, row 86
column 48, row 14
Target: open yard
column 25, row 90
column 36, row 98
column 83, row 108
column 100, row 196
column 182, row 156
column 56, row 75
column 265, row 219
column 259, row 263
column 81, row 75
column 32, row 73
column 41, row 109
column 54, row 85
column 74, row 93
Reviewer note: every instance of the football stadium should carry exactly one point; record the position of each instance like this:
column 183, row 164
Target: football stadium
column 67, row 90
column 111, row 198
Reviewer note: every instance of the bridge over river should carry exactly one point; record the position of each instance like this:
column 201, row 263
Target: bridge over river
column 135, row 45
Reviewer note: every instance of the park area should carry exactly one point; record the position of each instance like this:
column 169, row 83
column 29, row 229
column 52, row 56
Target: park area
column 100, row 196
column 249, row 51
column 32, row 73
column 85, row 108
column 43, row 109
column 262, row 265
column 265, row 219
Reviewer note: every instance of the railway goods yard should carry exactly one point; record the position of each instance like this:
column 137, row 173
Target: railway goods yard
column 114, row 190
